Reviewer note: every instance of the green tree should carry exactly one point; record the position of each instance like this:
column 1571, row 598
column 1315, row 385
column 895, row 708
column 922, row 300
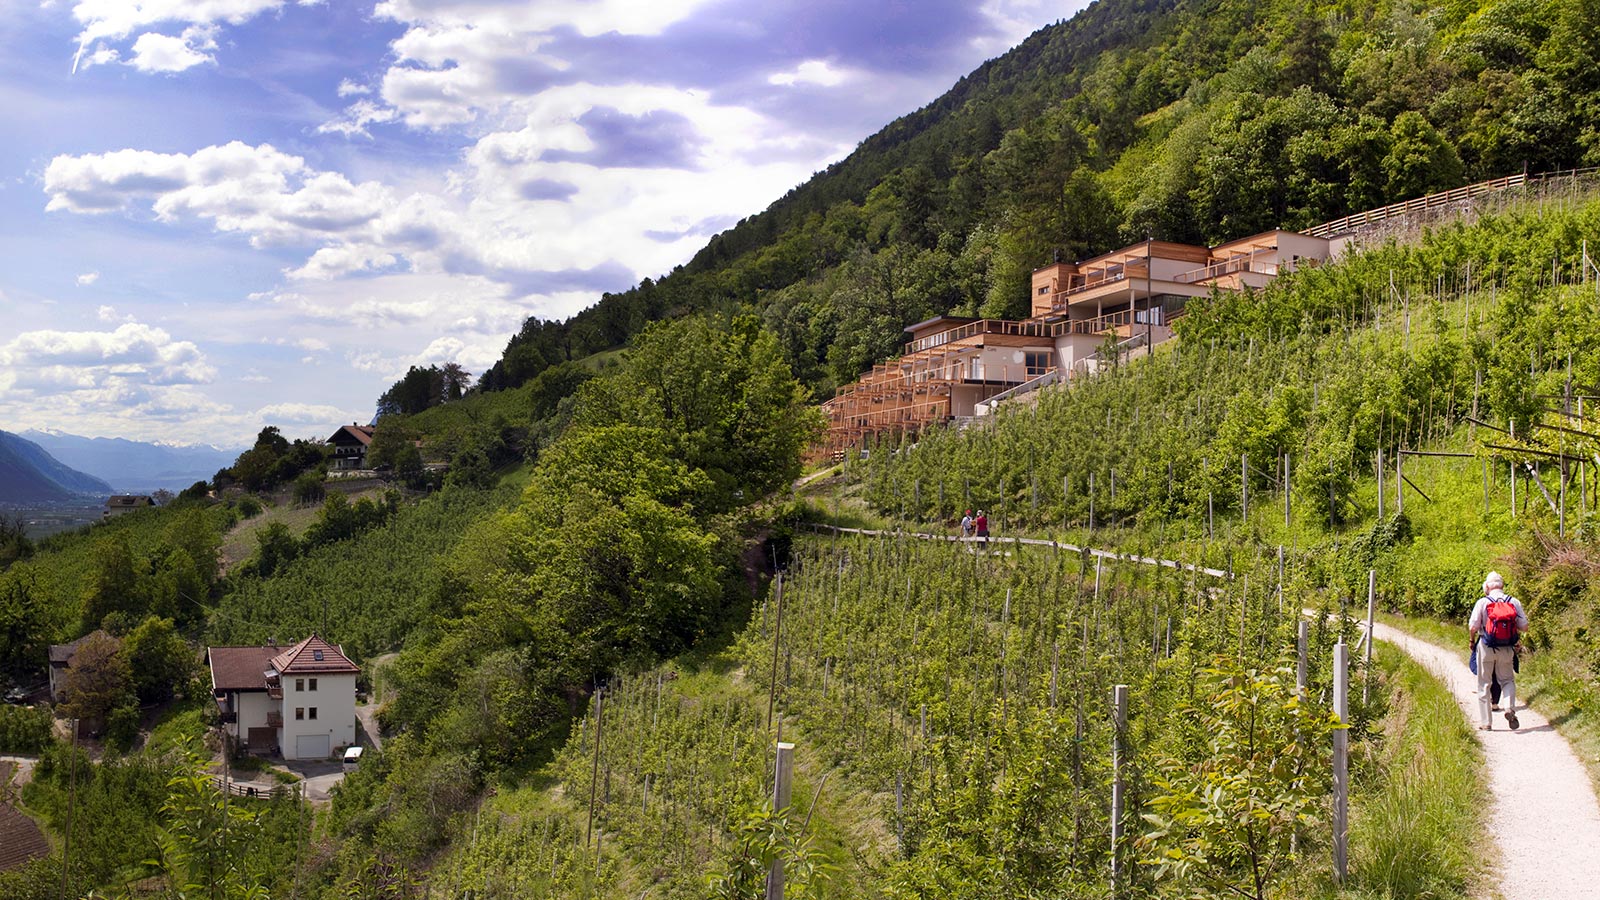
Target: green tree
column 159, row 659
column 25, row 628
column 114, row 582
column 1420, row 160
column 721, row 394
column 1222, row 821
column 275, row 547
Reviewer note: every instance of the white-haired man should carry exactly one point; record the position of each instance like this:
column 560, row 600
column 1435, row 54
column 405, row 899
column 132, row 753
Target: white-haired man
column 1496, row 622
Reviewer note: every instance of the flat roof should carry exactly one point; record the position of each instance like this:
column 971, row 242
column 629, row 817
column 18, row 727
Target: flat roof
column 953, row 320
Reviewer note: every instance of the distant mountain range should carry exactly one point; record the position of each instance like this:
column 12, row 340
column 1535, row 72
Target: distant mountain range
column 29, row 474
column 135, row 466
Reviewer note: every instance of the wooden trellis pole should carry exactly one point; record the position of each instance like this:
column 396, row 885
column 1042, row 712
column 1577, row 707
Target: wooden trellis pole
column 1341, row 763
column 782, row 783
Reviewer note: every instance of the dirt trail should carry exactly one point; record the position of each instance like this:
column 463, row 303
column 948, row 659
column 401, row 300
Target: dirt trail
column 1544, row 815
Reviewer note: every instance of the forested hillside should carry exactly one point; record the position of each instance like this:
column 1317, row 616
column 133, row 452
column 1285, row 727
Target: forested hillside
column 576, row 647
column 1194, row 121
column 29, row 473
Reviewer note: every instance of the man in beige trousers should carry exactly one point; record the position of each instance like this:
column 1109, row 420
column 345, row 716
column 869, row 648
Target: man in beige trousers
column 1497, row 621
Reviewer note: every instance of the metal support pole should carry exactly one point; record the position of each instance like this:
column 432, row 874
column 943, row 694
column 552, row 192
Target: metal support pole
column 1380, row 484
column 1286, row 492
column 1302, row 661
column 1372, row 606
column 1244, row 488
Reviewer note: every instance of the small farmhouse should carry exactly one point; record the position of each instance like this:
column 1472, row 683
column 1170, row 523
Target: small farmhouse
column 126, row 503
column 61, row 660
column 350, row 445
column 299, row 702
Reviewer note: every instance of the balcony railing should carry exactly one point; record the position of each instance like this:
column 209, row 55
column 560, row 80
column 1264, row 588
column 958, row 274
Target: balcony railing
column 274, row 720
column 973, row 329
column 1227, row 267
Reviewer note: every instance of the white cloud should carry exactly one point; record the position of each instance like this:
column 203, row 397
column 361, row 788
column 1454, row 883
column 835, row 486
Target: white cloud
column 303, row 413
column 812, row 71
column 348, row 88
column 132, row 351
column 588, row 17
column 154, row 52
column 87, row 279
column 357, row 116
column 109, row 21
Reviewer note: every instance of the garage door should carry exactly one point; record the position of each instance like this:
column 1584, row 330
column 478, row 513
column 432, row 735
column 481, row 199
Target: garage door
column 263, row 740
column 313, row 746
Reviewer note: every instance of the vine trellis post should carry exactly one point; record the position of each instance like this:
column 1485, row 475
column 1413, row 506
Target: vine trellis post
column 782, row 782
column 1341, row 763
column 1118, row 737
column 1372, row 605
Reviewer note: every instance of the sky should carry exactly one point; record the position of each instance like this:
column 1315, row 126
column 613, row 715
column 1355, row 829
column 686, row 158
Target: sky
column 217, row 215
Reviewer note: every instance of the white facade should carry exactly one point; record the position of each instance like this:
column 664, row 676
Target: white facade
column 316, row 707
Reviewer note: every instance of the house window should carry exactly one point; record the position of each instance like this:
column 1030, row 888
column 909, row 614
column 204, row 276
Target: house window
column 313, row 684
column 313, row 712
column 300, row 713
column 1044, row 290
column 1038, row 362
column 316, row 655
column 299, row 684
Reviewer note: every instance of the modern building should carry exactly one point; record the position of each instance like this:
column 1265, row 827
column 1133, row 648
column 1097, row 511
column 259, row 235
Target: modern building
column 954, row 368
column 299, row 702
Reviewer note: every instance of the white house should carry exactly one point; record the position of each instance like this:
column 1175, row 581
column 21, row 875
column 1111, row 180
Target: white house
column 299, row 701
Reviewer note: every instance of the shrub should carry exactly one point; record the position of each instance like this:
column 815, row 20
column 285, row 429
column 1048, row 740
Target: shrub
column 25, row 729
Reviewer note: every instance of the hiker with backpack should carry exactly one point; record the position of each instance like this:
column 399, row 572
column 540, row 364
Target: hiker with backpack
column 966, row 525
column 1497, row 621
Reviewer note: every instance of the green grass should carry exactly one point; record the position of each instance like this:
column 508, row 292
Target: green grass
column 176, row 726
column 1420, row 832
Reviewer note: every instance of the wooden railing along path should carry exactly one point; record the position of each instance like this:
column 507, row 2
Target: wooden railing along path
column 1033, row 542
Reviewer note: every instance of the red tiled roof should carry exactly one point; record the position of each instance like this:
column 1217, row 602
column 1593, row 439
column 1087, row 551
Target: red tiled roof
column 240, row 668
column 20, row 839
column 313, row 655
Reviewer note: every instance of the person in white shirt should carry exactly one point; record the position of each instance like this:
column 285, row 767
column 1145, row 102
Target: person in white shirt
column 1493, row 631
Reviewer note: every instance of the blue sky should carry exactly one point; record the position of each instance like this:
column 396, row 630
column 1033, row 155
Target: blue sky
column 221, row 214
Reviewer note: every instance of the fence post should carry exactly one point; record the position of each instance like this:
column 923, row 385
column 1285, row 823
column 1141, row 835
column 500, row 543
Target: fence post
column 782, row 780
column 1341, row 763
column 1120, row 706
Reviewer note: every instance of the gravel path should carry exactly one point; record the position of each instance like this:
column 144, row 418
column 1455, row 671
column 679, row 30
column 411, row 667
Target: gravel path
column 1544, row 815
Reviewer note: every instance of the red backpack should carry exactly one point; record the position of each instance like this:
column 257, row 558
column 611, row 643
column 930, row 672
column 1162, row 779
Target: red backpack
column 1500, row 623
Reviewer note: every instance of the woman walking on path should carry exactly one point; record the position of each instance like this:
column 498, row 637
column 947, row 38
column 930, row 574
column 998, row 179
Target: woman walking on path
column 1496, row 622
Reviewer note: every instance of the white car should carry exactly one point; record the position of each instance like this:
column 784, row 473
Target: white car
column 352, row 759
